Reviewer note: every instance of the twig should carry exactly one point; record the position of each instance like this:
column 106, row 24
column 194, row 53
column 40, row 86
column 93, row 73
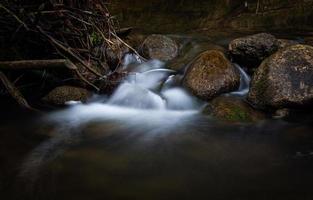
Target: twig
column 16, row 17
column 127, row 45
column 68, row 51
column 14, row 92
column 85, row 80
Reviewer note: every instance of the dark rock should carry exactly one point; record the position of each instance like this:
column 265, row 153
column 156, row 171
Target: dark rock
column 160, row 47
column 285, row 79
column 63, row 94
column 232, row 109
column 281, row 113
column 250, row 51
column 309, row 41
column 210, row 75
column 190, row 51
column 283, row 43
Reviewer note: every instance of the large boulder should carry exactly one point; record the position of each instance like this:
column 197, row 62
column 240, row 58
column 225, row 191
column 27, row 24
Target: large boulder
column 250, row 51
column 232, row 109
column 284, row 79
column 210, row 75
column 63, row 94
column 160, row 47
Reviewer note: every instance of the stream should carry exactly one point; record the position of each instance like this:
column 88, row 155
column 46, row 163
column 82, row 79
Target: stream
column 149, row 140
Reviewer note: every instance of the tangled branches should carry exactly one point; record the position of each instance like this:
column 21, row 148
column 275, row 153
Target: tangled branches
column 82, row 31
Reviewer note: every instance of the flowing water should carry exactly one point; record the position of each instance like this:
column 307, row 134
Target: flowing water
column 149, row 140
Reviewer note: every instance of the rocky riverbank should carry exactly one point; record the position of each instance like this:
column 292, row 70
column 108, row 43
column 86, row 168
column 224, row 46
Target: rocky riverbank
column 281, row 71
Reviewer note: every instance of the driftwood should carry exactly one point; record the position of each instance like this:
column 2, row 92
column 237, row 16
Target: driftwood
column 44, row 64
column 14, row 92
column 37, row 64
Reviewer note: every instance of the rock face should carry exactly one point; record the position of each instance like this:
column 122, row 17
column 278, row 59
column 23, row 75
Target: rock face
column 63, row 94
column 284, row 79
column 250, row 51
column 209, row 14
column 160, row 47
column 211, row 74
column 232, row 109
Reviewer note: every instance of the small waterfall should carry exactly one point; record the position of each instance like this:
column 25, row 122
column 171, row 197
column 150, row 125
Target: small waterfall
column 132, row 95
column 178, row 99
column 244, row 83
column 144, row 88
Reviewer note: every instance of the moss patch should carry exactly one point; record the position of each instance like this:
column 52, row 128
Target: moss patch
column 232, row 109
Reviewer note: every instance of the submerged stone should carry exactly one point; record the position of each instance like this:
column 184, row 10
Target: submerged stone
column 232, row 109
column 285, row 79
column 210, row 75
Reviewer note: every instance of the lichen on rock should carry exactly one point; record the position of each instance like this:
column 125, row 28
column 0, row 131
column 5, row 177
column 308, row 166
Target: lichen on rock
column 210, row 75
column 284, row 79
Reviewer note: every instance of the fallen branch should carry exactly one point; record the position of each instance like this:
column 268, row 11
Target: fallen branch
column 14, row 92
column 44, row 64
column 37, row 64
column 127, row 45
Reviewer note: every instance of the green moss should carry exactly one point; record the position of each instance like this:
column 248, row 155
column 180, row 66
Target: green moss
column 238, row 115
column 95, row 38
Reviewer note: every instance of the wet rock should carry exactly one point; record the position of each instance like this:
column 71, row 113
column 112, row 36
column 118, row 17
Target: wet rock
column 190, row 51
column 232, row 109
column 283, row 43
column 210, row 75
column 172, row 82
column 63, row 94
column 250, row 51
column 160, row 47
column 281, row 113
column 285, row 79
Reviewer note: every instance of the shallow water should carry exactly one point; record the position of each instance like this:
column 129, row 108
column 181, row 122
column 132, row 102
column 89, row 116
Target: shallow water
column 154, row 155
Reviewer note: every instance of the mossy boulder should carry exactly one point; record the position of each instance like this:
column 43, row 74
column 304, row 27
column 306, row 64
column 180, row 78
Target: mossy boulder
column 251, row 50
column 160, row 47
column 61, row 95
column 232, row 109
column 210, row 75
column 284, row 80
